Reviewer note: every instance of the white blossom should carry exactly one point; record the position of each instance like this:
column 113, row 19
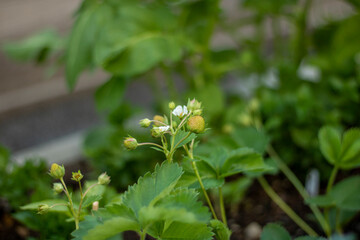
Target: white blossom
column 180, row 111
column 163, row 128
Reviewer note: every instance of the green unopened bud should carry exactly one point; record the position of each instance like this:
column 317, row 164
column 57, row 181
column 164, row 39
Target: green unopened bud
column 175, row 124
column 245, row 119
column 155, row 132
column 103, row 179
column 43, row 208
column 145, row 122
column 254, row 105
column 193, row 105
column 77, row 176
column 57, row 171
column 158, row 120
column 196, row 124
column 130, row 143
column 58, row 187
column 171, row 105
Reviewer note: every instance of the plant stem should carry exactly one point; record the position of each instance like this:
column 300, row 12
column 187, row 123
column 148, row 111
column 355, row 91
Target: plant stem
column 203, row 189
column 142, row 235
column 273, row 195
column 299, row 187
column 332, row 179
column 150, row 143
column 71, row 204
column 222, row 208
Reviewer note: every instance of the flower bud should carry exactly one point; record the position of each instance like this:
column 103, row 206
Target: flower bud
column 245, row 119
column 196, row 124
column 145, row 122
column 193, row 105
column 103, row 179
column 130, row 143
column 155, row 132
column 77, row 176
column 56, row 171
column 158, row 120
column 175, row 124
column 95, row 206
column 58, row 187
column 254, row 105
column 43, row 208
column 171, row 105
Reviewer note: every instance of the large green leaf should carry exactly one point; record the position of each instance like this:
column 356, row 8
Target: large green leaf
column 83, row 36
column 152, row 187
column 243, row 160
column 330, row 144
column 274, row 231
column 309, row 238
column 344, row 195
column 107, row 223
column 187, row 231
column 110, row 95
column 252, row 138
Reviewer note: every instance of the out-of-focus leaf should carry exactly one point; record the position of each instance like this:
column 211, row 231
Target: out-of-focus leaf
column 110, row 94
column 274, row 231
column 330, row 144
column 251, row 138
column 59, row 208
column 35, row 48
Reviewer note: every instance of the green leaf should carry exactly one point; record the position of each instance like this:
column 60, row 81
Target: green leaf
column 89, row 199
column 344, row 195
column 274, row 231
column 107, row 223
column 187, row 231
column 350, row 149
column 243, row 160
column 83, row 36
column 252, row 138
column 50, row 202
column 309, row 238
column 152, row 187
column 35, row 48
column 110, row 95
column 220, row 230
column 187, row 199
column 182, row 134
column 330, row 144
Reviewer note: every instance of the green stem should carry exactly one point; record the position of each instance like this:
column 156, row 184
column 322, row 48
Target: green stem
column 300, row 188
column 222, row 207
column 71, row 204
column 332, row 179
column 273, row 195
column 337, row 221
column 150, row 143
column 203, row 189
column 142, row 235
column 328, row 188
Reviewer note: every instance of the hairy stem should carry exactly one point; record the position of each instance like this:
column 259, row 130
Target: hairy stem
column 222, row 207
column 71, row 204
column 276, row 198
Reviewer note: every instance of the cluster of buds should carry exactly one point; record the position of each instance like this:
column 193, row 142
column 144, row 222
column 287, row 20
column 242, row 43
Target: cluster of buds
column 181, row 118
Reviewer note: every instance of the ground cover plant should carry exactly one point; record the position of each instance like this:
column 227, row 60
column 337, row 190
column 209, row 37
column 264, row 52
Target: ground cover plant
column 165, row 205
column 291, row 104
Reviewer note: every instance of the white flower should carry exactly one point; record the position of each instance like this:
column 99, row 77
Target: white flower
column 163, row 128
column 180, row 111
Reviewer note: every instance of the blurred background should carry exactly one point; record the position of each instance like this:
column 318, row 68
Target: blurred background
column 77, row 76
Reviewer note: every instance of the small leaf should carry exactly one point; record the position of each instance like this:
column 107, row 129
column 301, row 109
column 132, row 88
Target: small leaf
column 350, row 149
column 89, row 199
column 181, row 135
column 187, row 231
column 322, row 201
column 274, row 231
column 50, row 202
column 330, row 144
column 220, row 230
